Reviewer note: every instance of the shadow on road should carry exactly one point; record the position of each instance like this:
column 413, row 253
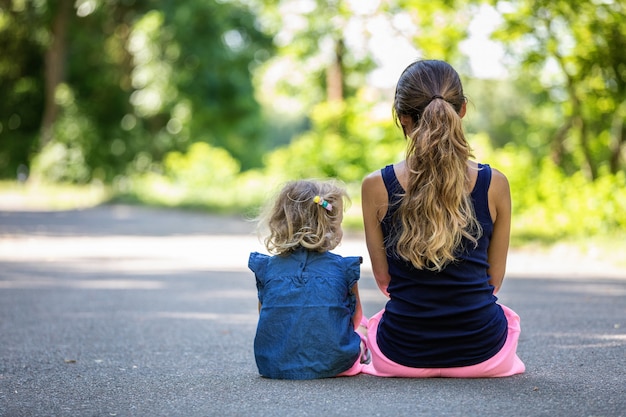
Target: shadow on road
column 124, row 220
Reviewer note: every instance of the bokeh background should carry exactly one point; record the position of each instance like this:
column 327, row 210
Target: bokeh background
column 212, row 104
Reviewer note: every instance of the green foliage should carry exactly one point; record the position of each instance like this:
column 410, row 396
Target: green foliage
column 345, row 142
column 148, row 77
column 201, row 166
column 562, row 206
column 440, row 25
column 549, row 204
column 213, row 50
column 65, row 158
column 205, row 177
column 508, row 113
column 21, row 85
column 160, row 99
column 575, row 51
column 98, row 66
column 311, row 42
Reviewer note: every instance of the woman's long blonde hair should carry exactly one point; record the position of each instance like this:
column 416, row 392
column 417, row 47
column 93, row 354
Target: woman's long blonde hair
column 295, row 219
column 436, row 211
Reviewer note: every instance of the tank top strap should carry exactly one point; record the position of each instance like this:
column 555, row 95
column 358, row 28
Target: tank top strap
column 480, row 194
column 391, row 183
column 483, row 181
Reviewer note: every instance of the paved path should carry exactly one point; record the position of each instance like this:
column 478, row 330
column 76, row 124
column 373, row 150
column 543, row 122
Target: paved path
column 126, row 311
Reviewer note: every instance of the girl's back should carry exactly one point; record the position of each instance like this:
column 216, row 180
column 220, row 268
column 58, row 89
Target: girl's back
column 305, row 327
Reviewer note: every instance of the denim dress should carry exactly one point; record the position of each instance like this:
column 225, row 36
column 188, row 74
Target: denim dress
column 305, row 328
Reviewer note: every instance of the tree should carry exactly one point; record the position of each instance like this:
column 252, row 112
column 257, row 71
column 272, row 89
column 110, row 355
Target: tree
column 98, row 89
column 576, row 50
column 54, row 66
column 439, row 26
column 313, row 52
column 217, row 46
column 21, row 83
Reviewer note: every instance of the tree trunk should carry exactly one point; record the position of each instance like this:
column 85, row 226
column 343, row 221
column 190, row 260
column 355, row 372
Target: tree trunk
column 592, row 169
column 557, row 148
column 618, row 138
column 54, row 71
column 334, row 74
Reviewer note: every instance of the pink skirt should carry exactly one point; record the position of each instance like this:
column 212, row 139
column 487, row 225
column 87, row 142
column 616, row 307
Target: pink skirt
column 504, row 363
column 357, row 367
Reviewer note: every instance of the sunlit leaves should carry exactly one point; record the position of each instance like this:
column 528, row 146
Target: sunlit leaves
column 577, row 51
column 345, row 142
column 201, row 165
column 152, row 66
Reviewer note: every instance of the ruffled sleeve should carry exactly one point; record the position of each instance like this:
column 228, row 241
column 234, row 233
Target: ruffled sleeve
column 352, row 265
column 258, row 264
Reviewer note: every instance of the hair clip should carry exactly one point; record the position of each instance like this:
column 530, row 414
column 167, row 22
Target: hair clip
column 319, row 200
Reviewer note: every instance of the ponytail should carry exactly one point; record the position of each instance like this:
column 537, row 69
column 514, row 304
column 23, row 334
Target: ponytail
column 436, row 211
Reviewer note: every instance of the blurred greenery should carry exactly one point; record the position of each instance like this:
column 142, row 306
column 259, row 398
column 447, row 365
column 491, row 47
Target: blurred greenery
column 212, row 105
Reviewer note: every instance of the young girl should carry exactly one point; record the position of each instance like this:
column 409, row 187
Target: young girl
column 308, row 297
column 437, row 230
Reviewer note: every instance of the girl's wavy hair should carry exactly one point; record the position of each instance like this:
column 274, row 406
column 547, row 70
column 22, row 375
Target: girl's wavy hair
column 294, row 220
column 436, row 212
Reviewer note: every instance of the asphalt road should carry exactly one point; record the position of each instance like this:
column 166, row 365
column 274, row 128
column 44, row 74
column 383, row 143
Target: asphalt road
column 126, row 311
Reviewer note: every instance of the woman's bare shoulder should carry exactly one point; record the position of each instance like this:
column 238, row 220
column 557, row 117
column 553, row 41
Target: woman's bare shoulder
column 373, row 191
column 372, row 176
column 499, row 180
column 372, row 182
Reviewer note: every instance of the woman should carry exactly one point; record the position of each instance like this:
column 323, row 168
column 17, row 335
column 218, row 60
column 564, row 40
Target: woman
column 437, row 228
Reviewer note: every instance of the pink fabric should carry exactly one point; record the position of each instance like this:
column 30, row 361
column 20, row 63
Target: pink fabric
column 504, row 363
column 357, row 367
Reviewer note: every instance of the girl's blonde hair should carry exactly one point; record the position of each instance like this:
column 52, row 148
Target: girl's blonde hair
column 436, row 211
column 295, row 220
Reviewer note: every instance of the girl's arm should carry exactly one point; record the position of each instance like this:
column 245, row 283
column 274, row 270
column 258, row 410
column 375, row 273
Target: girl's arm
column 374, row 206
column 358, row 311
column 500, row 208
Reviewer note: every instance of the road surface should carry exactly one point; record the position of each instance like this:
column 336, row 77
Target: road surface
column 129, row 311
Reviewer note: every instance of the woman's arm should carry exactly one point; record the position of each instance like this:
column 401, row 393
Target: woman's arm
column 500, row 208
column 374, row 206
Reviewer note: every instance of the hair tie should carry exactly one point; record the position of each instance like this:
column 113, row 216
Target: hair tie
column 319, row 200
column 436, row 96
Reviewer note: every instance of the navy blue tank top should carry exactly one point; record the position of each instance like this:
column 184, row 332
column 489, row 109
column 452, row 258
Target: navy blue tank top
column 448, row 318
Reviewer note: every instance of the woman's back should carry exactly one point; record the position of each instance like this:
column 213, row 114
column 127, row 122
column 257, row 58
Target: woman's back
column 442, row 318
column 438, row 241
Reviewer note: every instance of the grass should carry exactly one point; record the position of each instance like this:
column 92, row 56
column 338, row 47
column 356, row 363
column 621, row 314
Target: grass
column 47, row 197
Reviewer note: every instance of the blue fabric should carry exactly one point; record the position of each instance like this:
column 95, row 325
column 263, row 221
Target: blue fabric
column 448, row 318
column 305, row 328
